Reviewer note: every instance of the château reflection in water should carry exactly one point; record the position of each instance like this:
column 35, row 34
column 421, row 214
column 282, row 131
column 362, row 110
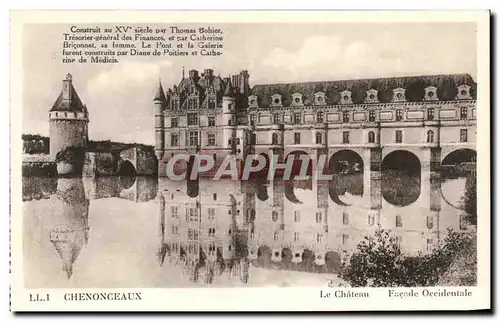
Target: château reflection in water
column 150, row 232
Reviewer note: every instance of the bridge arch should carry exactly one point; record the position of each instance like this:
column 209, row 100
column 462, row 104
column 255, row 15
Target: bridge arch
column 401, row 177
column 347, row 167
column 457, row 170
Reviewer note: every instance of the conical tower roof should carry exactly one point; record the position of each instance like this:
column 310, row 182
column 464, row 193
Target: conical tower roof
column 72, row 103
column 228, row 92
column 160, row 93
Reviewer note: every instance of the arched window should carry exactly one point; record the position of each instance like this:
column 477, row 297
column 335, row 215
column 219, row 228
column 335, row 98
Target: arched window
column 430, row 136
column 275, row 216
column 371, row 137
column 319, row 138
column 275, row 139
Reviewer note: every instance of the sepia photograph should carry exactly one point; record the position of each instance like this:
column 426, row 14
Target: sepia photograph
column 231, row 155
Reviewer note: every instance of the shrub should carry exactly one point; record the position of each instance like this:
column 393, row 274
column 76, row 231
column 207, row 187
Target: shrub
column 380, row 263
column 468, row 201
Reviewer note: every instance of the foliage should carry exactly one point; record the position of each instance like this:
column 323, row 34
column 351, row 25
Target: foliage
column 468, row 201
column 71, row 155
column 35, row 144
column 109, row 146
column 380, row 263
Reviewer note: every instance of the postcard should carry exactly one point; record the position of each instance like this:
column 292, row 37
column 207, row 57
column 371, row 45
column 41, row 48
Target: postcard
column 250, row 161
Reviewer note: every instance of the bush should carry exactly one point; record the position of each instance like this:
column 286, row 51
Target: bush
column 380, row 263
column 468, row 202
column 71, row 155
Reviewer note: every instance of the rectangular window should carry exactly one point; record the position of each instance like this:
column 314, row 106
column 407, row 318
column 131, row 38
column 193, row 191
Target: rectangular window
column 319, row 238
column 175, row 104
column 211, row 121
column 399, row 222
column 296, row 119
column 211, row 104
column 174, row 123
column 296, row 236
column 399, row 240
column 345, row 218
column 399, row 136
column 192, row 119
column 276, row 119
column 211, row 213
column 320, row 118
column 175, row 211
column 371, row 115
column 253, row 118
column 296, row 216
column 463, row 113
column 319, row 217
column 191, row 214
column 211, row 139
column 345, row 138
column 430, row 114
column 345, row 116
column 174, row 140
column 345, row 239
column 193, row 138
column 463, row 135
column 253, row 139
column 296, row 138
column 215, row 196
column 371, row 220
column 399, row 114
column 429, row 244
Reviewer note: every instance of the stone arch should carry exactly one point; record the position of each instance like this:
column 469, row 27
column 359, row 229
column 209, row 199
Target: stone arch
column 401, row 177
column 127, row 169
column 347, row 166
column 457, row 170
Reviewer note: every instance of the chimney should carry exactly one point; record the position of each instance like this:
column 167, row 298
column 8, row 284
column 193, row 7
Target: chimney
column 193, row 74
column 244, row 84
column 67, row 87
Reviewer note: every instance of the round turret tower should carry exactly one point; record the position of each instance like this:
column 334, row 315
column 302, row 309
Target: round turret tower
column 229, row 118
column 159, row 103
column 68, row 120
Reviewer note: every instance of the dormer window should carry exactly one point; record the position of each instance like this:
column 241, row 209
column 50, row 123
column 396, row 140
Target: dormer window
column 431, row 93
column 398, row 95
column 297, row 99
column 319, row 98
column 276, row 100
column 345, row 97
column 463, row 92
column 371, row 96
column 252, row 101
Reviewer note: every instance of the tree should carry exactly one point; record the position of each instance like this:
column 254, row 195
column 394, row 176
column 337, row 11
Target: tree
column 468, row 202
column 379, row 262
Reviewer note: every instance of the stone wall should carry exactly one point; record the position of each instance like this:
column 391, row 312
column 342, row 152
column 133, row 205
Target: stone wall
column 100, row 164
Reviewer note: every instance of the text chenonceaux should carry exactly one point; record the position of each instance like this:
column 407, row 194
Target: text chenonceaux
column 103, row 296
column 238, row 169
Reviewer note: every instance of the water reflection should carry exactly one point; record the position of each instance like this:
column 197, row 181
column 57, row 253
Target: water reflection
column 115, row 232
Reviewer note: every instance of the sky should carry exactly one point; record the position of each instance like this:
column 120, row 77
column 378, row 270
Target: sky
column 119, row 96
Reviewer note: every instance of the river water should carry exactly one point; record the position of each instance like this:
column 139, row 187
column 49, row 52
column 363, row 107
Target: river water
column 126, row 232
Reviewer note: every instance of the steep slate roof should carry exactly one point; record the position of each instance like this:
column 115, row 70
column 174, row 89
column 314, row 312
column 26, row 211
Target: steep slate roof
column 73, row 104
column 160, row 94
column 446, row 89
